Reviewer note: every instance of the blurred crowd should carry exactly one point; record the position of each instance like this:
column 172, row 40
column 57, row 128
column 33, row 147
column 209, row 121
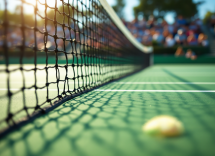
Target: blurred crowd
column 189, row 53
column 160, row 33
column 151, row 32
column 15, row 37
column 91, row 36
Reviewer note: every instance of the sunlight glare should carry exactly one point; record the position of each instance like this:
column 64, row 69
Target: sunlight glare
column 50, row 3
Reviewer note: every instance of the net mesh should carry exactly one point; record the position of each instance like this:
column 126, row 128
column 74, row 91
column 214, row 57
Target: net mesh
column 61, row 48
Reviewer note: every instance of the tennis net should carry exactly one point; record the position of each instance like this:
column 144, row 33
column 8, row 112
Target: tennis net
column 53, row 50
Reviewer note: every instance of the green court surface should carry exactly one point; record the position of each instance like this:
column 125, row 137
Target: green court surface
column 108, row 121
column 171, row 59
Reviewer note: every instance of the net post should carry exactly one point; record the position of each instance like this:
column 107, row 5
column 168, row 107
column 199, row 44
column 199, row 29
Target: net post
column 148, row 60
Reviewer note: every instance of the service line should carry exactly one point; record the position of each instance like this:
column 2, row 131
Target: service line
column 191, row 83
column 185, row 91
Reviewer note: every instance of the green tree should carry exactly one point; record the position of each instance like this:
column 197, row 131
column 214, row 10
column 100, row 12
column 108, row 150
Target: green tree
column 118, row 7
column 186, row 8
column 208, row 16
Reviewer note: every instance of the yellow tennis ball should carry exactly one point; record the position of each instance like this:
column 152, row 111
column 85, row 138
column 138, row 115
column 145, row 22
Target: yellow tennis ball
column 163, row 125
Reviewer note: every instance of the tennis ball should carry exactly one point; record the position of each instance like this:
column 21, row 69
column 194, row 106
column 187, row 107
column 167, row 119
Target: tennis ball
column 163, row 125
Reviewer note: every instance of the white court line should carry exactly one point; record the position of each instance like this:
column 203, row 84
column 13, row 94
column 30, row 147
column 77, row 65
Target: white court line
column 186, row 91
column 110, row 90
column 182, row 83
column 192, row 83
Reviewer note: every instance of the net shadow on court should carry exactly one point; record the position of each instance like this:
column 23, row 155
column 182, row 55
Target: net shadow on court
column 75, row 45
column 111, row 123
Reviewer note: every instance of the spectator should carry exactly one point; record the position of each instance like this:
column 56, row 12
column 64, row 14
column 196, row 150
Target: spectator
column 139, row 39
column 166, row 33
column 181, row 21
column 158, row 37
column 198, row 22
column 193, row 26
column 191, row 40
column 179, row 51
column 142, row 23
column 164, row 23
column 202, row 40
column 180, row 38
column 151, row 22
column 190, row 54
column 189, row 32
column 169, row 42
column 147, row 40
column 171, row 28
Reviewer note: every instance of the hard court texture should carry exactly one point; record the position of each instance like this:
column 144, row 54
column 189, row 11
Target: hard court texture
column 108, row 123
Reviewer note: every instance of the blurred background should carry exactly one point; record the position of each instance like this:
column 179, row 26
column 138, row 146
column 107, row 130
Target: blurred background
column 184, row 28
column 181, row 31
